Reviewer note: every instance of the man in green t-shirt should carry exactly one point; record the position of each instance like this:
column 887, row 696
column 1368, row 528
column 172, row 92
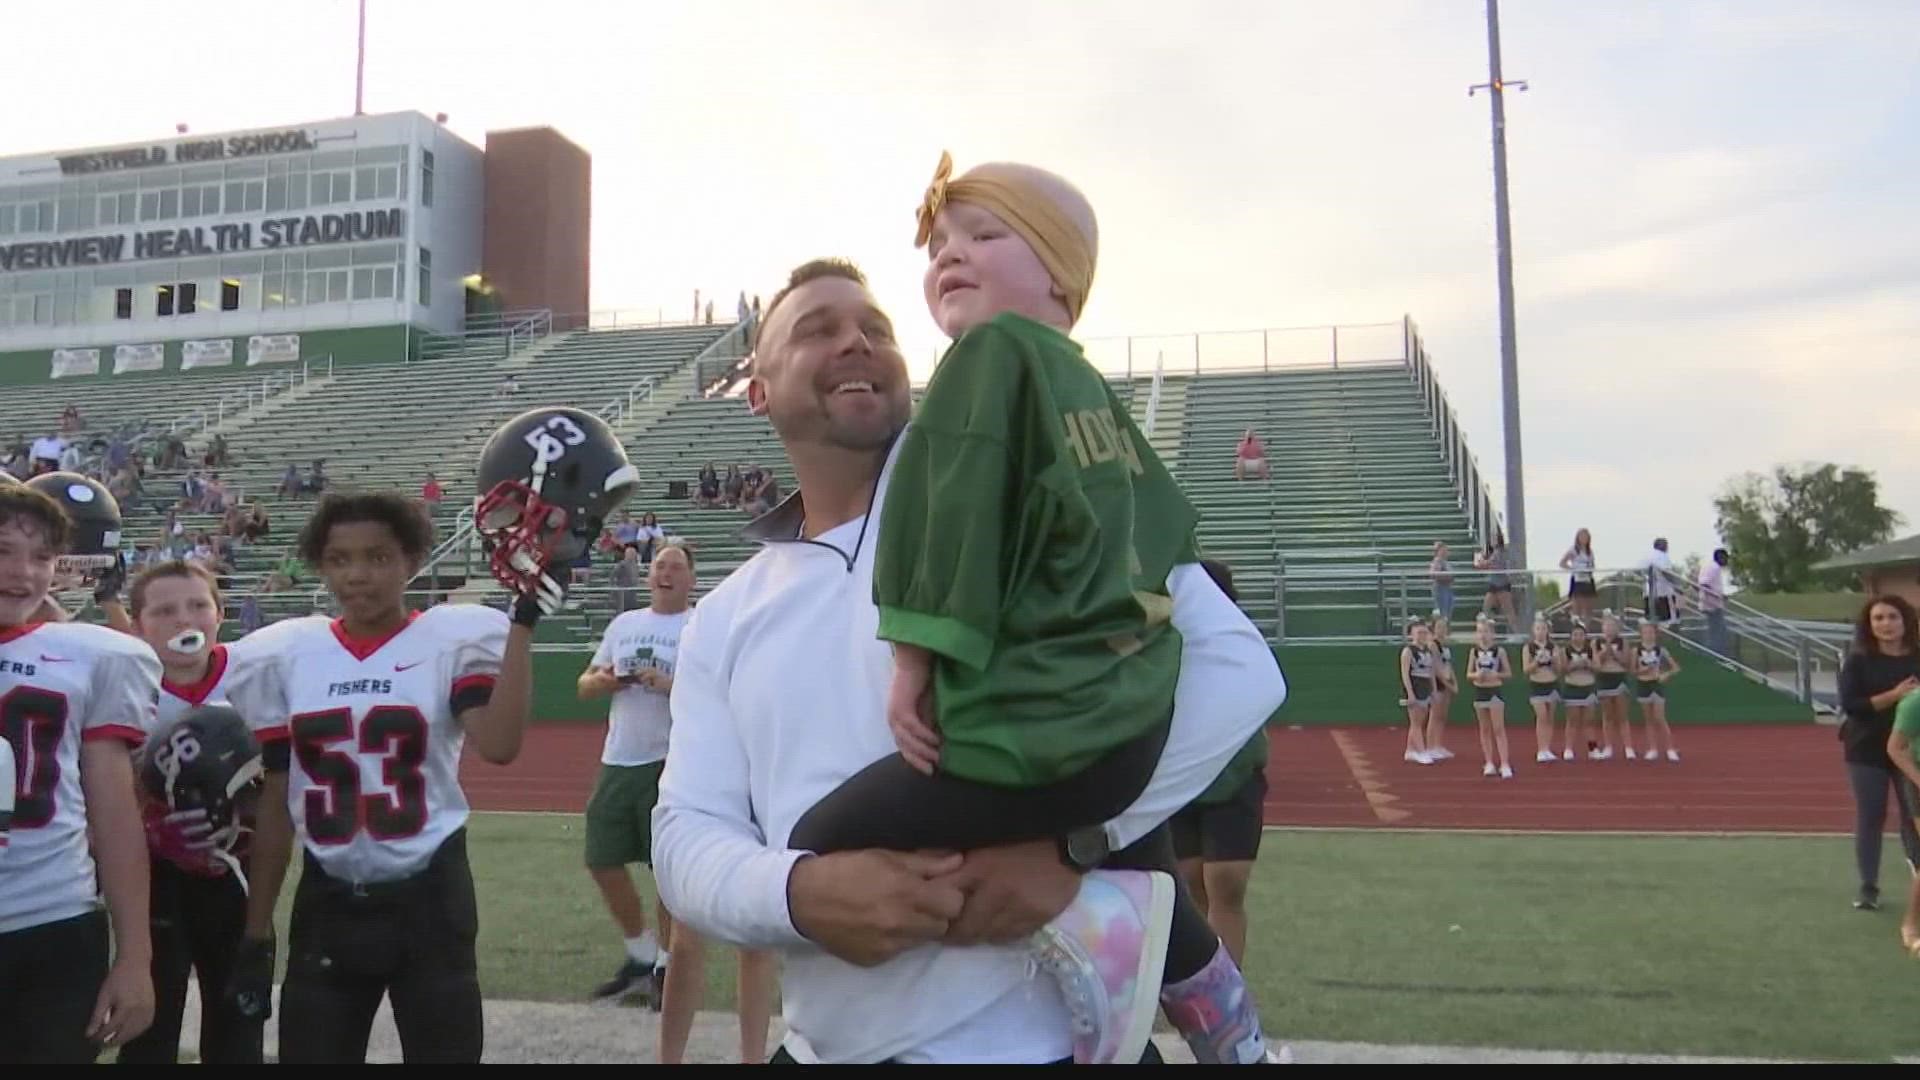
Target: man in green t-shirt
column 1217, row 836
column 1903, row 747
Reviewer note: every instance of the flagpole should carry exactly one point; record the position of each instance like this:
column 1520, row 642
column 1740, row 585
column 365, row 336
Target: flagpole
column 360, row 66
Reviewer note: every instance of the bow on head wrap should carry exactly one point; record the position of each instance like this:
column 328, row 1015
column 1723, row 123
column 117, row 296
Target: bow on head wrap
column 1017, row 195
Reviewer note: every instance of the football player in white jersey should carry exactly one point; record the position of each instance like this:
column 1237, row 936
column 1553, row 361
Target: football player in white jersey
column 74, row 701
column 361, row 720
column 199, row 899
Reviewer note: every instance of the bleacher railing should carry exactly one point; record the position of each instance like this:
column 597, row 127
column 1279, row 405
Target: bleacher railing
column 235, row 402
column 1276, row 349
column 635, row 319
column 1463, row 468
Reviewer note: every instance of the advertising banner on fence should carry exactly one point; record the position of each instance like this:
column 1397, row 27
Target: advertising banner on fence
column 70, row 362
column 198, row 354
column 273, row 349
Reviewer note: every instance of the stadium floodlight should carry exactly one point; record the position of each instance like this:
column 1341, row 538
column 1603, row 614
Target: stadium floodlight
column 1496, row 87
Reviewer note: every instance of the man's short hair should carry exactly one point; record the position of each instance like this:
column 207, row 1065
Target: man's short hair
column 811, row 270
column 680, row 546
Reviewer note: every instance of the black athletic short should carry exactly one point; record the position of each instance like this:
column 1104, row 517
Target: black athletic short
column 411, row 940
column 1227, row 831
column 50, row 978
column 1486, row 695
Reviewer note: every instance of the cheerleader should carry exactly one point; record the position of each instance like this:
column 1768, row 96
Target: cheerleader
column 1610, row 666
column 1653, row 665
column 1417, row 663
column 1576, row 688
column 1488, row 669
column 1542, row 661
column 1446, row 687
column 1581, row 585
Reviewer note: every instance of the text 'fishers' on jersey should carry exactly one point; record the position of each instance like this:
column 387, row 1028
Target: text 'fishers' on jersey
column 374, row 778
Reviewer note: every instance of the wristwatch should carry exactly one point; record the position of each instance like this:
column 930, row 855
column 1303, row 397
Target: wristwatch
column 1085, row 849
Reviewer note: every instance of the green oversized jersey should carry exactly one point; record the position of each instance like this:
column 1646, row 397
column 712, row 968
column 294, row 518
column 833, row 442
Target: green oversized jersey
column 1025, row 540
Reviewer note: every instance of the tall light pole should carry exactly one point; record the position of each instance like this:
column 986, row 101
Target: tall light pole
column 1497, row 88
column 360, row 66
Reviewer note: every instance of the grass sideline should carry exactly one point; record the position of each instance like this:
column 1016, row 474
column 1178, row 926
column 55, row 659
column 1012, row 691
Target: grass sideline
column 1681, row 945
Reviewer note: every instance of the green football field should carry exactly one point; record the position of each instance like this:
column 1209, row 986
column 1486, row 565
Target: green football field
column 1677, row 945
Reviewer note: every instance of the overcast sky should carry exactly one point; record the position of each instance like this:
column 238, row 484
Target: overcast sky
column 1717, row 243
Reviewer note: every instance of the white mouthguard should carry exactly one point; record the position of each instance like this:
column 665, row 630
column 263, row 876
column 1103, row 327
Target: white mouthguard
column 187, row 642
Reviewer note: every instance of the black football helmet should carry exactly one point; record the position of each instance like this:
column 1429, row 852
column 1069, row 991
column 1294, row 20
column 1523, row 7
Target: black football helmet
column 95, row 548
column 548, row 480
column 206, row 760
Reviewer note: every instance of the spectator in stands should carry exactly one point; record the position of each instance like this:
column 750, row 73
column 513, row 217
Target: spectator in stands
column 71, row 459
column 218, row 456
column 648, row 537
column 1713, row 601
column 192, row 491
column 1658, row 566
column 317, row 477
column 732, row 486
column 119, row 454
column 172, row 455
column 46, row 453
column 250, row 616
column 1499, row 581
column 626, row 578
column 202, row 552
column 290, row 484
column 70, row 422
column 510, row 385
column 286, row 575
column 627, row 532
column 1440, row 572
column 431, row 492
column 1881, row 670
column 257, row 525
column 233, row 523
column 707, row 492
column 1251, row 459
column 213, row 496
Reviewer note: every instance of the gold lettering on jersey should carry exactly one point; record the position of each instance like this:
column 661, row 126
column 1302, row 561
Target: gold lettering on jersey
column 1075, row 439
column 1099, row 439
column 1158, row 608
column 1118, row 433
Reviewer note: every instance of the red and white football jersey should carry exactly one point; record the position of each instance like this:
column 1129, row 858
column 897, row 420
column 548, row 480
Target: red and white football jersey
column 62, row 684
column 374, row 778
column 177, row 701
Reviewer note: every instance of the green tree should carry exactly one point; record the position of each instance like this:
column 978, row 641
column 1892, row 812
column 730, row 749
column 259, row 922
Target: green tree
column 1777, row 527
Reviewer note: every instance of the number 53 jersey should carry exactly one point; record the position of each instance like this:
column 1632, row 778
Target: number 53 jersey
column 62, row 684
column 373, row 781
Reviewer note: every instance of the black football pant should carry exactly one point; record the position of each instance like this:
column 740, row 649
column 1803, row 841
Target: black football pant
column 410, row 940
column 197, row 924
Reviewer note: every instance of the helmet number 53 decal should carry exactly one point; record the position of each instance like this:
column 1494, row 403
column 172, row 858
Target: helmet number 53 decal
column 551, row 440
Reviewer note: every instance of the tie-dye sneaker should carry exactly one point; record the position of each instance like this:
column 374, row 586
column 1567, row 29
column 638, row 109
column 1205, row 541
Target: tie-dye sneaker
column 1107, row 951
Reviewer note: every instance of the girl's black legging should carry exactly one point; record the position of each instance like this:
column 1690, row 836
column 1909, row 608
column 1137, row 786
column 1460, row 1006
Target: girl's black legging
column 892, row 806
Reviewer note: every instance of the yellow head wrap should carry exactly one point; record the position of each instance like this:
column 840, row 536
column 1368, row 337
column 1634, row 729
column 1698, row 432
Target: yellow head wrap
column 1014, row 194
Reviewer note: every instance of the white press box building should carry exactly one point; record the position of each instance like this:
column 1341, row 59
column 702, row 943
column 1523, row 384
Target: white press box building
column 352, row 238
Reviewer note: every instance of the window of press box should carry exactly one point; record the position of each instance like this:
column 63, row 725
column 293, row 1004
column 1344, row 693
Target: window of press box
column 123, row 303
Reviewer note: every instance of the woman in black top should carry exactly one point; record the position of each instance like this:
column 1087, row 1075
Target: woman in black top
column 1882, row 667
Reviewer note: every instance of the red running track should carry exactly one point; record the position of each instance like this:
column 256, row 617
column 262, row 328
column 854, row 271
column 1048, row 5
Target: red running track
column 1731, row 779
